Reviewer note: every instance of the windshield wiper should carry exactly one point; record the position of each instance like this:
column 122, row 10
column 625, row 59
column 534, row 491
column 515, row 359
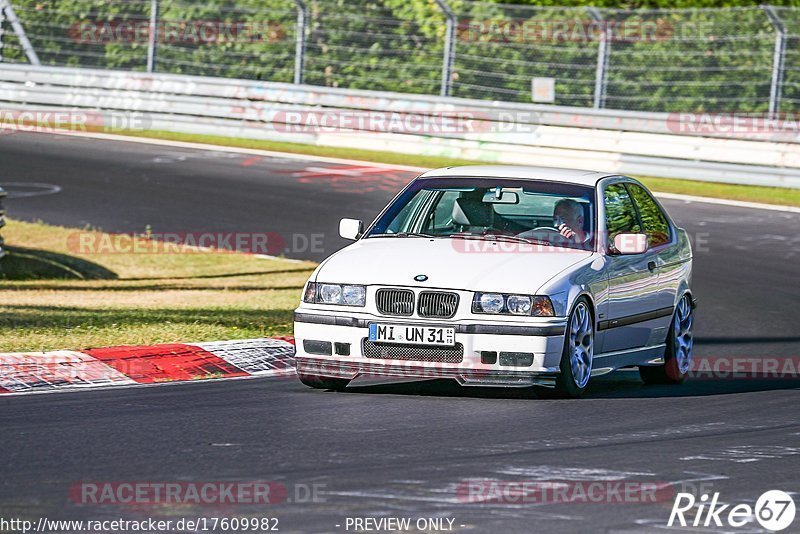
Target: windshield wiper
column 404, row 234
column 414, row 234
column 501, row 237
column 518, row 239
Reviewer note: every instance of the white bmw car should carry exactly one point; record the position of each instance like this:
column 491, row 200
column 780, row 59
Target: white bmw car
column 503, row 276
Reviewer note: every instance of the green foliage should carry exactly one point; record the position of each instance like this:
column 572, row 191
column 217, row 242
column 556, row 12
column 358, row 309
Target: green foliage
column 653, row 4
column 662, row 59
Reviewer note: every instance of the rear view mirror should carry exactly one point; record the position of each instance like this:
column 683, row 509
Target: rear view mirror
column 350, row 228
column 630, row 243
column 498, row 195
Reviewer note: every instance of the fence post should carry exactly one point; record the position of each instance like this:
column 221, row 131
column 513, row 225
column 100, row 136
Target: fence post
column 300, row 41
column 603, row 51
column 3, row 195
column 778, row 54
column 449, row 47
column 2, row 20
column 152, row 36
column 5, row 5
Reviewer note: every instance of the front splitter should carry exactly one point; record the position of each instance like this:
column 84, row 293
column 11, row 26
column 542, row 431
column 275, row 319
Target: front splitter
column 466, row 377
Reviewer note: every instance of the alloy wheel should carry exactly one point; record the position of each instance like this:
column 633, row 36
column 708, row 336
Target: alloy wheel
column 682, row 332
column 581, row 340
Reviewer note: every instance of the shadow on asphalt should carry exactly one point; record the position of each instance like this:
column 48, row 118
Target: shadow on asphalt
column 225, row 275
column 117, row 288
column 617, row 385
column 55, row 316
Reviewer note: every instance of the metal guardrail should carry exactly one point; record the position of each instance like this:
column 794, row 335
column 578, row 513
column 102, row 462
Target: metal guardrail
column 329, row 97
column 3, row 196
column 613, row 141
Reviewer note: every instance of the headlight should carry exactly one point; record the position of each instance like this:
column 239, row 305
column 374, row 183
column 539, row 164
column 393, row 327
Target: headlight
column 342, row 294
column 537, row 306
column 330, row 293
column 354, row 295
column 519, row 304
column 491, row 303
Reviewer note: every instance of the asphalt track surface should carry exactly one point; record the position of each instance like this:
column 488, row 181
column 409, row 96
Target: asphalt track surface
column 395, row 449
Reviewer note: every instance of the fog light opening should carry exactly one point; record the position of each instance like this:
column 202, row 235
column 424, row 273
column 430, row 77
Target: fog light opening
column 489, row 357
column 313, row 346
column 516, row 359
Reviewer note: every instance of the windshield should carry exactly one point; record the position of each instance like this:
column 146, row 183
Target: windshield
column 549, row 213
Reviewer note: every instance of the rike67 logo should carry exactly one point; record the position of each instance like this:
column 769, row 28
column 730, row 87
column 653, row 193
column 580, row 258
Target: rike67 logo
column 774, row 511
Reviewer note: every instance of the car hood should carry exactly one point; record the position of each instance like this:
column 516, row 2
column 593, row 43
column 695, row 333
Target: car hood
column 472, row 265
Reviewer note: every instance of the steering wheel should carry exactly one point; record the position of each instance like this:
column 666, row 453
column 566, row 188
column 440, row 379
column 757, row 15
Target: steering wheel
column 542, row 233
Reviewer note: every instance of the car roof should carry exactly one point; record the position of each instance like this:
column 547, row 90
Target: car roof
column 554, row 174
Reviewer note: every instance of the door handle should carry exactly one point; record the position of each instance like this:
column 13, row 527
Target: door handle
column 651, row 266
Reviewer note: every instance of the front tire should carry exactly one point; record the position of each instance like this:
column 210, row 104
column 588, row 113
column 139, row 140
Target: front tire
column 576, row 358
column 323, row 382
column 678, row 354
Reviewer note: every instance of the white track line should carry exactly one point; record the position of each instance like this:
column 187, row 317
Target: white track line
column 345, row 161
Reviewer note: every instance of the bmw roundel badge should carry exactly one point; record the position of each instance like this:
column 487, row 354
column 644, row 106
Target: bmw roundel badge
column 420, row 278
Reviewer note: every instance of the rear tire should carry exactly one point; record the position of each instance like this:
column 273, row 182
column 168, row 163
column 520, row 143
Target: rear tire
column 678, row 354
column 323, row 382
column 576, row 358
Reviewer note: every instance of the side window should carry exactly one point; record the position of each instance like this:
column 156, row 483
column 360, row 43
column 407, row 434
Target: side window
column 620, row 213
column 653, row 219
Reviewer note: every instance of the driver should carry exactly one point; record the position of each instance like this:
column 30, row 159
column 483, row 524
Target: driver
column 568, row 220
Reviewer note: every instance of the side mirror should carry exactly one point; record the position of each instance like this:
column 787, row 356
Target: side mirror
column 630, row 243
column 351, row 228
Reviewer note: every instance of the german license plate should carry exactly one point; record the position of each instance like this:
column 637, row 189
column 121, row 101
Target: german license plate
column 411, row 334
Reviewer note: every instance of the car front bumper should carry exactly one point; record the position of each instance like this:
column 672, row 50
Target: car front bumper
column 541, row 338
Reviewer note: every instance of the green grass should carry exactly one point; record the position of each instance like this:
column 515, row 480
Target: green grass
column 376, row 156
column 767, row 195
column 749, row 193
column 55, row 298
